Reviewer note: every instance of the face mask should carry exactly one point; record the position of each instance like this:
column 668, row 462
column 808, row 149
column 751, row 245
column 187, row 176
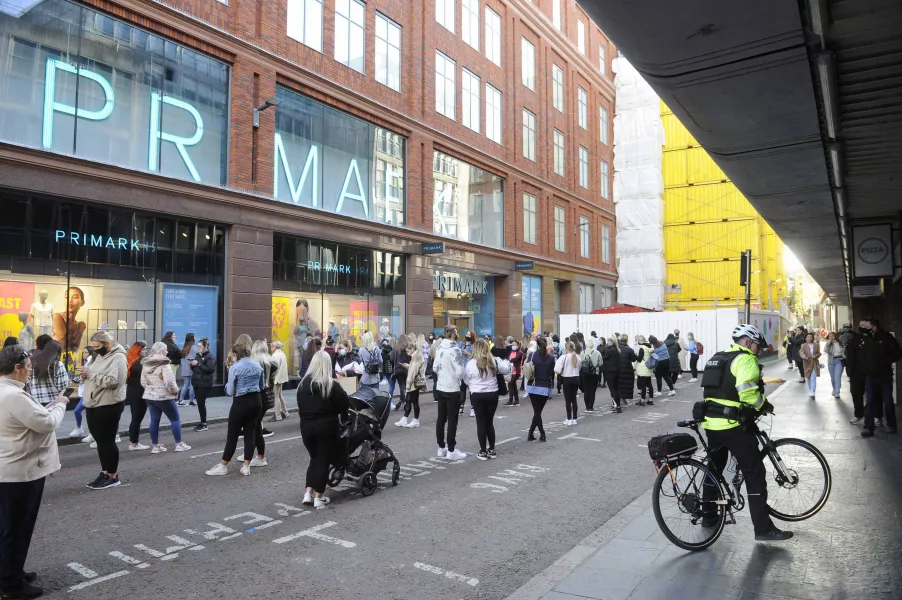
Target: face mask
column 101, row 351
column 514, row 347
column 342, row 352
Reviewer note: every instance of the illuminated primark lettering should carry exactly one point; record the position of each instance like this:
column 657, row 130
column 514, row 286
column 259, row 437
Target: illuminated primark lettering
column 102, row 241
column 157, row 135
column 448, row 283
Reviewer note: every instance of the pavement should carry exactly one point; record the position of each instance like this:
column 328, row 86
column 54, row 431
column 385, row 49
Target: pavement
column 851, row 549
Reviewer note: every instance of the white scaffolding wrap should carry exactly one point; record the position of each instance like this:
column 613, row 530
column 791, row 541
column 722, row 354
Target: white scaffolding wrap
column 638, row 190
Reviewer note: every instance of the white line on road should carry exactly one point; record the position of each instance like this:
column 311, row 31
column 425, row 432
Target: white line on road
column 82, row 570
column 568, row 436
column 506, row 441
column 239, row 448
column 85, row 584
column 151, row 551
column 129, row 560
column 313, row 533
column 471, row 581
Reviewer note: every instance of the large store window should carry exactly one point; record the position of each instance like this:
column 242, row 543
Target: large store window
column 531, row 299
column 330, row 160
column 69, row 270
column 78, row 82
column 329, row 289
column 469, row 202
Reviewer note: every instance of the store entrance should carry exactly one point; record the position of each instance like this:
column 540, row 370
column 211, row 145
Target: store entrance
column 463, row 320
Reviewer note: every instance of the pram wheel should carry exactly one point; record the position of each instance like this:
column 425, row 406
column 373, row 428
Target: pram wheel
column 336, row 476
column 396, row 473
column 368, row 483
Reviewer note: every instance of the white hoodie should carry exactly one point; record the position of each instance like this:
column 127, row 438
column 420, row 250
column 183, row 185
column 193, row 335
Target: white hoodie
column 479, row 384
column 448, row 367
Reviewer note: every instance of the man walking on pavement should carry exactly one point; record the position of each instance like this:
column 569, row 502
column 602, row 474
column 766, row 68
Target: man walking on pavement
column 796, row 341
column 879, row 351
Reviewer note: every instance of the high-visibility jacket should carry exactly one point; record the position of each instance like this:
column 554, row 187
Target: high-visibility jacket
column 741, row 385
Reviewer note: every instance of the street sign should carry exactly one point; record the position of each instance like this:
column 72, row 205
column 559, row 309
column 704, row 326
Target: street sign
column 525, row 265
column 436, row 248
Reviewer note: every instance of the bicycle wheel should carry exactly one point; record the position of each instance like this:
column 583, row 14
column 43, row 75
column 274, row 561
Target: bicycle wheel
column 681, row 514
column 806, row 496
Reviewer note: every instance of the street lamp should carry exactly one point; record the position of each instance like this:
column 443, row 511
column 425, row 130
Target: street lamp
column 266, row 104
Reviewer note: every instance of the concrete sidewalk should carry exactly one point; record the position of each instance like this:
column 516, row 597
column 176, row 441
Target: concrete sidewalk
column 851, row 549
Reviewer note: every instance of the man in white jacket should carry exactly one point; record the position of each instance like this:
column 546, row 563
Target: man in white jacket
column 448, row 366
column 28, row 454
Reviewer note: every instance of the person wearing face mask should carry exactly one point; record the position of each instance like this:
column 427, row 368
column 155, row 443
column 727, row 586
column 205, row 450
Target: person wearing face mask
column 346, row 362
column 879, row 351
column 516, row 358
column 466, row 351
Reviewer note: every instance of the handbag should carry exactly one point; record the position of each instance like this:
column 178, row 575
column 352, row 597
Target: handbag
column 502, row 384
column 529, row 371
column 268, row 396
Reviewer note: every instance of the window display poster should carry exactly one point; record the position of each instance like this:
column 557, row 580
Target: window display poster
column 484, row 309
column 15, row 299
column 282, row 324
column 531, row 297
column 190, row 309
column 363, row 317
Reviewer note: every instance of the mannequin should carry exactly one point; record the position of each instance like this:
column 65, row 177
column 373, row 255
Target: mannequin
column 67, row 329
column 42, row 315
column 26, row 334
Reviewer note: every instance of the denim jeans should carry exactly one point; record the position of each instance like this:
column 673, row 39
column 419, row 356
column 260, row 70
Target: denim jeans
column 812, row 383
column 159, row 407
column 391, row 386
column 78, row 410
column 187, row 390
column 836, row 368
column 876, row 386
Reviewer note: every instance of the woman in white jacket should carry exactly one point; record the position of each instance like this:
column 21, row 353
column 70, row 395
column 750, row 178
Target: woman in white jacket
column 567, row 368
column 481, row 376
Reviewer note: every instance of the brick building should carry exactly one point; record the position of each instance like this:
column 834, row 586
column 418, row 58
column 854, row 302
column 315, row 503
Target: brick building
column 238, row 166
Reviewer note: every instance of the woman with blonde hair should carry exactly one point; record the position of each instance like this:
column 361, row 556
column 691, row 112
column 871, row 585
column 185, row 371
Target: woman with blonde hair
column 481, row 376
column 160, row 393
column 245, row 341
column 416, row 379
column 371, row 358
column 320, row 401
column 260, row 354
column 567, row 368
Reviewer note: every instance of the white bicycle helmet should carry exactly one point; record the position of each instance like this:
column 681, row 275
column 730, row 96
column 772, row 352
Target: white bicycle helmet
column 749, row 331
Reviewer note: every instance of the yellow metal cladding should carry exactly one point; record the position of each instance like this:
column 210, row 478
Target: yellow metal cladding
column 708, row 223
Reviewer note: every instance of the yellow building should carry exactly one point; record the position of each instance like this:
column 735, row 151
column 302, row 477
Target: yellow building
column 708, row 224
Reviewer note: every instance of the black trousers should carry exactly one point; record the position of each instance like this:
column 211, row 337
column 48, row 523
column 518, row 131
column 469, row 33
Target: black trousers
column 590, row 385
column 138, row 410
column 412, row 400
column 858, row 388
column 19, row 505
column 612, row 379
column 463, row 395
column 693, row 365
column 200, row 394
column 538, row 404
column 744, row 446
column 512, row 389
column 663, row 373
column 244, row 417
column 322, row 443
column 645, row 385
column 485, row 405
column 103, row 423
column 448, row 407
column 259, row 440
column 571, row 387
column 801, row 368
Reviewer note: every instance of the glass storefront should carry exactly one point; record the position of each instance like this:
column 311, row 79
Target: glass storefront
column 531, row 298
column 463, row 299
column 468, row 204
column 330, row 160
column 69, row 270
column 78, row 82
column 325, row 288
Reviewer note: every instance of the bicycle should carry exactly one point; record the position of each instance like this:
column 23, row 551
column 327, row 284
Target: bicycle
column 700, row 503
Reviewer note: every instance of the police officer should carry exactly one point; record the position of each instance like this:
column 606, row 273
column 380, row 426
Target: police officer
column 732, row 380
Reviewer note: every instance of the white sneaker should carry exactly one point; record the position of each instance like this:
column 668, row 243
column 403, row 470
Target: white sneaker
column 800, row 380
column 321, row 501
column 524, row 395
column 93, row 445
column 245, row 470
column 182, row 447
column 855, row 421
column 693, row 380
column 457, row 455
column 442, row 453
column 308, row 499
column 219, row 469
column 118, row 439
column 680, row 376
column 87, row 439
column 77, row 432
column 158, row 449
column 256, row 462
column 413, row 423
column 393, row 406
column 472, row 412
column 657, row 394
column 136, row 447
column 671, row 393
column 402, row 422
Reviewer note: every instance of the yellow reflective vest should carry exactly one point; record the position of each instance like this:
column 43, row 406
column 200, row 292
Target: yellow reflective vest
column 744, row 376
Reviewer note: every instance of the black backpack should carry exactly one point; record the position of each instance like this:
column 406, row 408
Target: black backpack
column 586, row 368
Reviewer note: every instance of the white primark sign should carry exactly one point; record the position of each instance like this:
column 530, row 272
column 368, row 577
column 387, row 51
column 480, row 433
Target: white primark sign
column 449, row 283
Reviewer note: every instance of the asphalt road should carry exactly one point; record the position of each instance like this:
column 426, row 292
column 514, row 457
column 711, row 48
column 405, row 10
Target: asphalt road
column 467, row 529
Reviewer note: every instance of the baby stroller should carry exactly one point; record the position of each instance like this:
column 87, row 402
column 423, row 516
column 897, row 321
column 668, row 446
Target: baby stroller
column 368, row 415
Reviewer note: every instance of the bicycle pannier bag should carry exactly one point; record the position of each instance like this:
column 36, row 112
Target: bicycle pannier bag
column 668, row 445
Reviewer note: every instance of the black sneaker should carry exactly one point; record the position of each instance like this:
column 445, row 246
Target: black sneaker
column 774, row 535
column 640, row 403
column 30, row 576
column 618, row 410
column 492, row 454
column 482, row 455
column 649, row 403
column 867, row 433
column 267, row 433
column 107, row 482
column 26, row 592
column 200, row 427
column 99, row 479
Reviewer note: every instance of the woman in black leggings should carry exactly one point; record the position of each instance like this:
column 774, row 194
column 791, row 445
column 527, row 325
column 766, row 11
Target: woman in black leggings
column 540, row 386
column 416, row 374
column 481, row 377
column 567, row 367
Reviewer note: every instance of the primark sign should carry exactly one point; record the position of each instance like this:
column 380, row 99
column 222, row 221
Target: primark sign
column 452, row 282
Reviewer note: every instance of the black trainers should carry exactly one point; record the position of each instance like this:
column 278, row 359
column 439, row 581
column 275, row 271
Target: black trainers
column 640, row 403
column 492, row 454
column 650, row 403
column 482, row 455
column 774, row 535
column 867, row 433
column 26, row 592
column 618, row 410
column 99, row 479
column 200, row 427
column 30, row 576
column 106, row 482
column 267, row 433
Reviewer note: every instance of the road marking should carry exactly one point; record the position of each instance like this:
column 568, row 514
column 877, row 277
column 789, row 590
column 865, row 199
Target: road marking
column 779, row 390
column 240, row 448
column 313, row 532
column 129, row 560
column 471, row 581
column 217, row 528
column 91, row 582
column 506, row 441
column 286, row 510
column 568, row 436
column 82, row 570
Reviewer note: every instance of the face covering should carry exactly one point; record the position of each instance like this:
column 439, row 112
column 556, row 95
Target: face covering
column 101, row 351
column 342, row 352
column 514, row 347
